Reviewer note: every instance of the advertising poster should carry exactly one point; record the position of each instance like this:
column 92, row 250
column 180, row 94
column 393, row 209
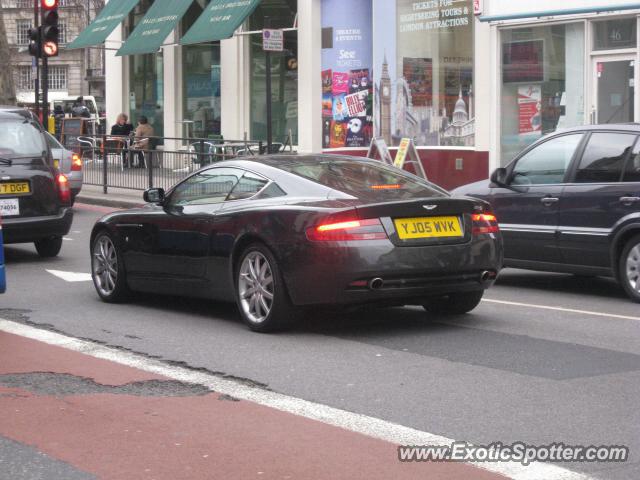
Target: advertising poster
column 529, row 106
column 346, row 73
column 423, row 72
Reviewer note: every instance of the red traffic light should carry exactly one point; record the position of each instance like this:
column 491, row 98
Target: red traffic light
column 49, row 4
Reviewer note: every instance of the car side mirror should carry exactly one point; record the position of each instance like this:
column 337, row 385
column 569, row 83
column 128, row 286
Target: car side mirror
column 500, row 177
column 154, row 195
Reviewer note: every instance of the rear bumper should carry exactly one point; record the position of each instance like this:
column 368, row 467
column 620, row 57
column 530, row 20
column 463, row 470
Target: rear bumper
column 322, row 274
column 29, row 229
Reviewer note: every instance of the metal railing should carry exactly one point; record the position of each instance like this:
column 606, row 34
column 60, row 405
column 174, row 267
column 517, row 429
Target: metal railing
column 138, row 164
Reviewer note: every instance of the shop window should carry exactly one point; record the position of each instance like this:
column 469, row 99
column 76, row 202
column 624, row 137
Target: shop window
column 542, row 84
column 615, row 34
column 200, row 82
column 146, row 79
column 284, row 72
column 423, row 69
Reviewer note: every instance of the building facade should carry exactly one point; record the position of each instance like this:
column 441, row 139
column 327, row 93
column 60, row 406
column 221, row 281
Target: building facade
column 72, row 72
column 470, row 82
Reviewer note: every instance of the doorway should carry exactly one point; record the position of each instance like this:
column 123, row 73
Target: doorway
column 614, row 89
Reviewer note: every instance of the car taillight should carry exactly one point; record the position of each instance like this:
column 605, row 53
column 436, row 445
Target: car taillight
column 350, row 230
column 64, row 192
column 484, row 223
column 76, row 163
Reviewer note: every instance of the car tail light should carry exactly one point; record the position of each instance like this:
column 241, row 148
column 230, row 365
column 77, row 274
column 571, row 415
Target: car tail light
column 64, row 192
column 484, row 223
column 76, row 163
column 350, row 230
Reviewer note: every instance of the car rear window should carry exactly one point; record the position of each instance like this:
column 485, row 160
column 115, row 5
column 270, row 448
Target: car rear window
column 20, row 139
column 364, row 180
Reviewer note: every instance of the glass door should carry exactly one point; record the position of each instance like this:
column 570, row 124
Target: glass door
column 614, row 89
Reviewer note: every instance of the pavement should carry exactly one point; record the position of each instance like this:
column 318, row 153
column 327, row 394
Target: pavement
column 115, row 197
column 544, row 358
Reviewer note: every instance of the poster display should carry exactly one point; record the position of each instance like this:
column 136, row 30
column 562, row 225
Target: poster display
column 529, row 109
column 347, row 99
column 423, row 72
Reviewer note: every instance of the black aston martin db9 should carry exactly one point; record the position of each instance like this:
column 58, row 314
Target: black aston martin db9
column 279, row 233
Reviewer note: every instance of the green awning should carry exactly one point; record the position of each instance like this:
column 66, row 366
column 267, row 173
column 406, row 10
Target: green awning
column 219, row 20
column 114, row 12
column 156, row 25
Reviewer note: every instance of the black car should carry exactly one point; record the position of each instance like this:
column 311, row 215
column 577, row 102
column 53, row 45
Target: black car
column 571, row 203
column 35, row 198
column 279, row 232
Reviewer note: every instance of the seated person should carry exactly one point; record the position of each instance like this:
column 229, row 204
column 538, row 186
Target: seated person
column 142, row 139
column 122, row 127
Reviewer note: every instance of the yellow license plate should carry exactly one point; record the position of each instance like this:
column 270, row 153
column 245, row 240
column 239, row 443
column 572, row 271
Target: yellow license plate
column 428, row 227
column 56, row 164
column 13, row 188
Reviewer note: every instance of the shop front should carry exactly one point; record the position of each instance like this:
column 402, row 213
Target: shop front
column 370, row 68
column 561, row 68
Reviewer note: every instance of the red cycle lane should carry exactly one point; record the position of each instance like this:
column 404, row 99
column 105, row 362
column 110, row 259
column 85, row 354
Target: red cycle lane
column 118, row 422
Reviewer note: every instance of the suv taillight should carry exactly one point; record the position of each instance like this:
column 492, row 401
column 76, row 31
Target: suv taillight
column 64, row 192
column 349, row 230
column 76, row 163
column 484, row 223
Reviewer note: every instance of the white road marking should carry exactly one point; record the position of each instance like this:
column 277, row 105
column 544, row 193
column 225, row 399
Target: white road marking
column 71, row 276
column 355, row 422
column 67, row 239
column 561, row 309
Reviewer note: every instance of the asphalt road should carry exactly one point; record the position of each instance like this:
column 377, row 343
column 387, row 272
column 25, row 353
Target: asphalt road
column 546, row 358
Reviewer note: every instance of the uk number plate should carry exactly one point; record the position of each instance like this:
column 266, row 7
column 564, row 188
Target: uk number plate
column 428, row 227
column 9, row 207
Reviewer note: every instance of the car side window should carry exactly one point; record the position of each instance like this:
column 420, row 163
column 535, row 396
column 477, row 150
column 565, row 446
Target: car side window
column 603, row 159
column 248, row 186
column 206, row 187
column 546, row 163
column 632, row 168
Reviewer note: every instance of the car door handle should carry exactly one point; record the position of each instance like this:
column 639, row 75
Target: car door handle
column 629, row 200
column 548, row 201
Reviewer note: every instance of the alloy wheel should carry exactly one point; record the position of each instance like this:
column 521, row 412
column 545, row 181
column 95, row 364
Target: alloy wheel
column 255, row 287
column 633, row 268
column 105, row 265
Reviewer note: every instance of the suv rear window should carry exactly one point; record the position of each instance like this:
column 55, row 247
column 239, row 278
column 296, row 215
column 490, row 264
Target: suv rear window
column 364, row 180
column 20, row 138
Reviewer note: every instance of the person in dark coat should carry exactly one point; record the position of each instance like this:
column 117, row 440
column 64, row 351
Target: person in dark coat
column 122, row 127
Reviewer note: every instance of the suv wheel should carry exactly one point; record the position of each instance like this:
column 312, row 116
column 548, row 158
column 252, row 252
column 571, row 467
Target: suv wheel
column 454, row 303
column 48, row 247
column 260, row 291
column 629, row 268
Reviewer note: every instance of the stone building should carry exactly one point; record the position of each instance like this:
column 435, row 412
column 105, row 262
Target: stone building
column 72, row 72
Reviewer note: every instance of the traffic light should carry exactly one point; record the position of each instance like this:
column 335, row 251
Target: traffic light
column 35, row 47
column 50, row 30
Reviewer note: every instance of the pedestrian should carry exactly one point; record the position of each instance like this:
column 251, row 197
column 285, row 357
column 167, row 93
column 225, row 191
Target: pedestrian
column 143, row 139
column 58, row 116
column 80, row 109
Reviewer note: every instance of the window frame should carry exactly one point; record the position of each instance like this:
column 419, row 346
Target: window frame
column 21, row 32
column 568, row 172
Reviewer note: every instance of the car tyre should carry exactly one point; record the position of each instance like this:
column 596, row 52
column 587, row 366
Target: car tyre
column 629, row 268
column 107, row 268
column 48, row 247
column 261, row 294
column 454, row 303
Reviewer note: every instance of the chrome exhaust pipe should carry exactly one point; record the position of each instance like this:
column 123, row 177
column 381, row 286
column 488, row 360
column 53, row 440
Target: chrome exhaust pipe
column 488, row 276
column 376, row 283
